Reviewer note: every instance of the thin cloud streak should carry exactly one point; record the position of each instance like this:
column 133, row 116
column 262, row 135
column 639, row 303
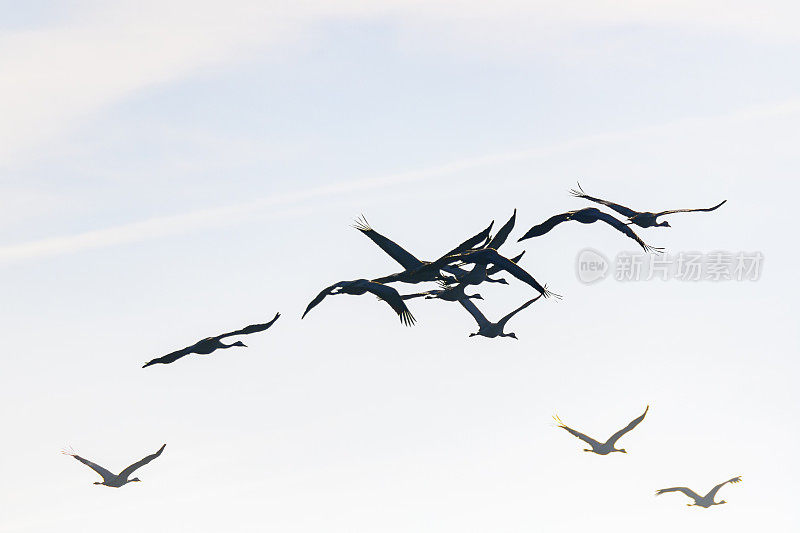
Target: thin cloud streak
column 157, row 227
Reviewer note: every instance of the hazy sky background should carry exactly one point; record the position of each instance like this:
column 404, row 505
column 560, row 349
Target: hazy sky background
column 173, row 172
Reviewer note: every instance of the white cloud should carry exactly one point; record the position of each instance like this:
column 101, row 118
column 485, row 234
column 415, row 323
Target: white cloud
column 55, row 77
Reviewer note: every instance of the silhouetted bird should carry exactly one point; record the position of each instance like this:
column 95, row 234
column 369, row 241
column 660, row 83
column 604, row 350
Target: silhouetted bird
column 701, row 501
column 414, row 271
column 608, row 446
column 362, row 286
column 448, row 293
column 210, row 344
column 587, row 215
column 488, row 256
column 481, row 273
column 116, row 480
column 492, row 329
column 644, row 219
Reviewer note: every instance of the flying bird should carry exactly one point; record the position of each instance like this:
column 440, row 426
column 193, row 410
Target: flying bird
column 210, row 344
column 414, row 268
column 492, row 329
column 489, row 256
column 608, row 446
column 701, row 501
column 587, row 215
column 644, row 219
column 361, row 286
column 116, row 480
column 448, row 293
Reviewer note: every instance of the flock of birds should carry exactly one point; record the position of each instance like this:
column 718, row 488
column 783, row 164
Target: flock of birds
column 453, row 279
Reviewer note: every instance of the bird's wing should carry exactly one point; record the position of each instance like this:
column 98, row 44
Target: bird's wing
column 393, row 298
column 475, row 312
column 395, row 251
column 494, row 269
column 94, row 466
column 621, row 209
column 626, row 229
column 584, row 438
column 255, row 328
column 321, row 296
column 129, row 470
column 635, row 422
column 503, row 233
column 547, row 225
column 713, row 492
column 689, row 210
column 517, row 271
column 170, row 357
column 686, row 490
column 506, row 318
column 472, row 242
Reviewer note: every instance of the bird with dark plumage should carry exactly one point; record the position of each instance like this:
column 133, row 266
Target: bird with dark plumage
column 587, row 215
column 414, row 268
column 489, row 256
column 492, row 329
column 701, row 501
column 643, row 219
column 361, row 286
column 448, row 293
column 603, row 448
column 211, row 344
column 115, row 480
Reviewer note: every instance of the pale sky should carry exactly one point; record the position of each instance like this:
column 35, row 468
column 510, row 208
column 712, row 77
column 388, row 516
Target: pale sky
column 171, row 172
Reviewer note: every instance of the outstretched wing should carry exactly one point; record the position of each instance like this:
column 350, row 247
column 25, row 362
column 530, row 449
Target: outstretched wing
column 584, row 438
column 392, row 297
column 621, row 209
column 395, row 251
column 169, row 358
column 635, row 422
column 129, row 470
column 686, row 490
column 515, row 270
column 547, row 225
column 94, row 466
column 321, row 296
column 475, row 312
column 494, row 269
column 690, row 210
column 503, row 233
column 713, row 492
column 517, row 310
column 626, row 229
column 255, row 328
column 472, row 242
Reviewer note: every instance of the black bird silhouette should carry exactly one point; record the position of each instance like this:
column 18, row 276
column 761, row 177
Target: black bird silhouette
column 448, row 293
column 361, row 286
column 608, row 446
column 587, row 215
column 489, row 256
column 492, row 329
column 210, row 344
column 644, row 219
column 481, row 273
column 701, row 501
column 414, row 268
column 115, row 480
